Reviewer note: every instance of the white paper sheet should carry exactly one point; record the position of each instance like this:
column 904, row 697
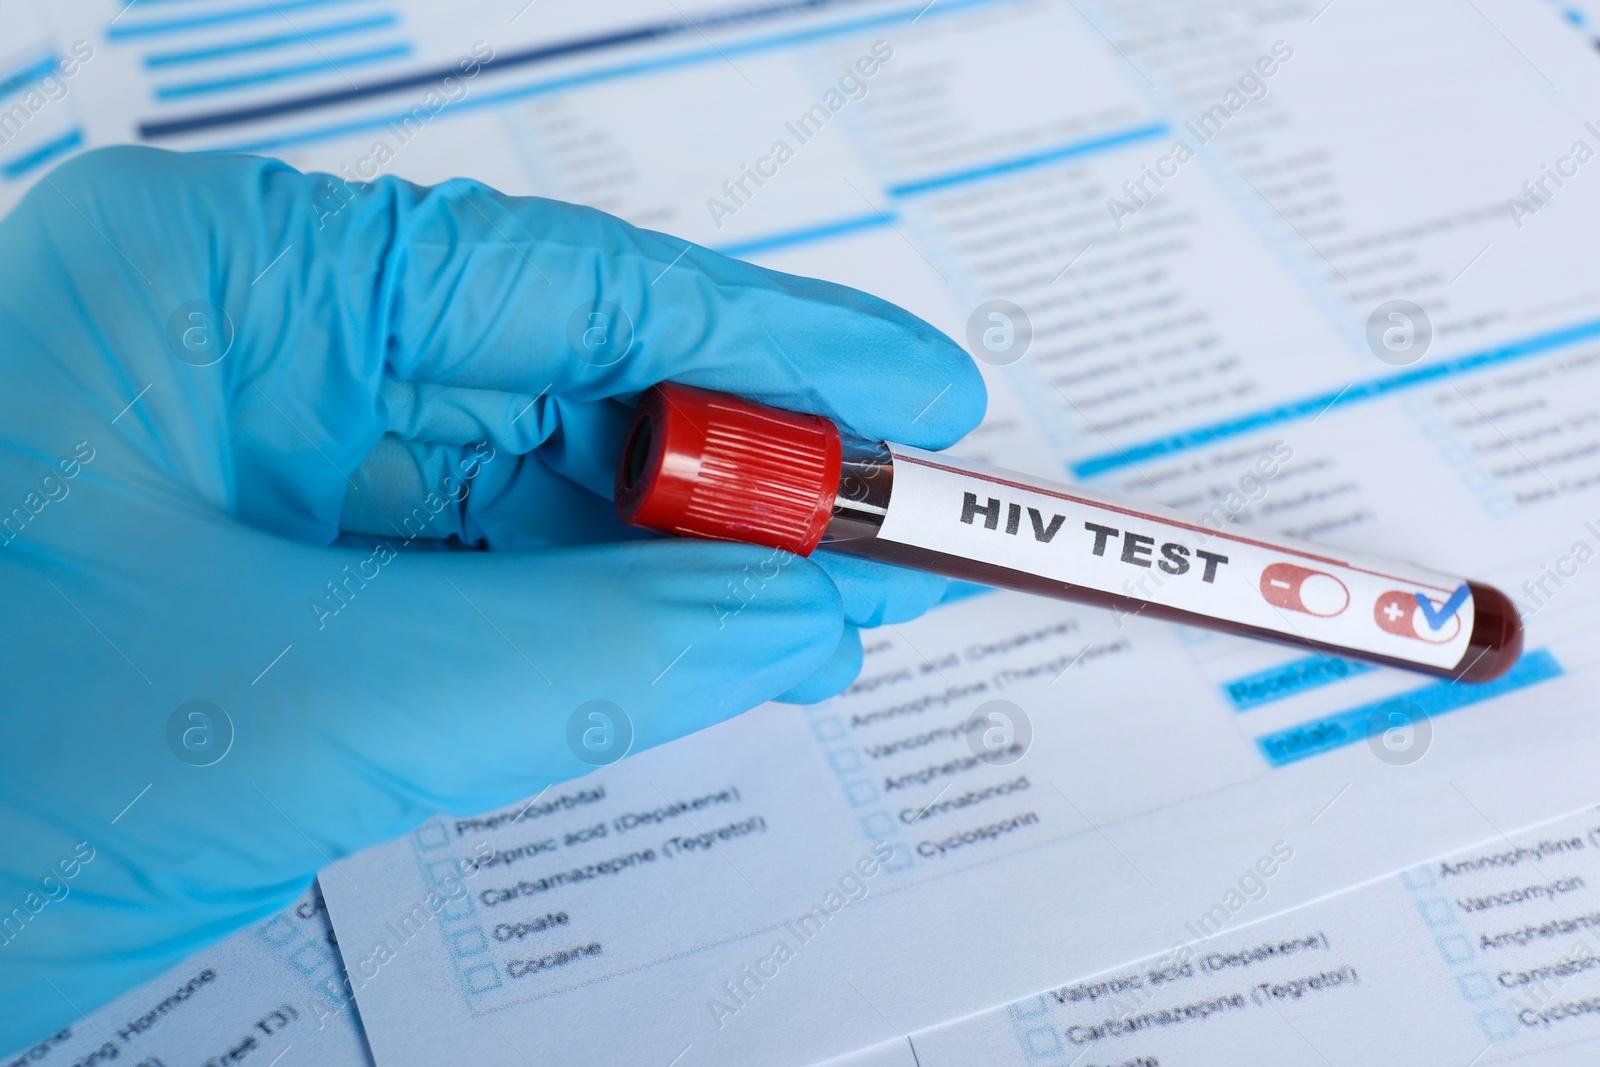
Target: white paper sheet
column 1488, row 956
column 1180, row 330
column 273, row 993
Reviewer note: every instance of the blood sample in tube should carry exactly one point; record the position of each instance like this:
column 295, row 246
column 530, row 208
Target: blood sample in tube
column 703, row 464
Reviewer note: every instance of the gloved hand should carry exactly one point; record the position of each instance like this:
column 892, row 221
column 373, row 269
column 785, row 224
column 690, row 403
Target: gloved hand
column 240, row 404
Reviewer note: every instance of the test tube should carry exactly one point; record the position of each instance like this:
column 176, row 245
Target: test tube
column 704, row 464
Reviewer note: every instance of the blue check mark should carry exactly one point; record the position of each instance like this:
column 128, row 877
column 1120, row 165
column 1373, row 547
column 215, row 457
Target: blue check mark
column 1437, row 619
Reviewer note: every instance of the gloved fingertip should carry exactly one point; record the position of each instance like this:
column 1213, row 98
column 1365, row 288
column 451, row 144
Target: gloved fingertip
column 769, row 618
column 960, row 400
column 928, row 392
column 877, row 593
column 834, row 675
column 795, row 589
column 960, row 590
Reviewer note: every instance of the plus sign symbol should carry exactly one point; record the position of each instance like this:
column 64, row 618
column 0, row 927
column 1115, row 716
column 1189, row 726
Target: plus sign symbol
column 1399, row 612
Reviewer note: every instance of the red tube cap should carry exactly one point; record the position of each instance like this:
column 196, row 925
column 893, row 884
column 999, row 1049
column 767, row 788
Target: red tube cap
column 706, row 464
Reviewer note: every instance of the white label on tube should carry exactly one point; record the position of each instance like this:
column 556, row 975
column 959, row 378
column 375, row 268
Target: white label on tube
column 1152, row 554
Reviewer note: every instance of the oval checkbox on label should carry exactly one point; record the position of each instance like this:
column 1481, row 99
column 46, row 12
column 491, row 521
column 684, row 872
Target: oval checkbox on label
column 1296, row 588
column 1401, row 613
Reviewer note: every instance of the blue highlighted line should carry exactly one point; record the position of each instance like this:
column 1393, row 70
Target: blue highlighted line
column 27, row 76
column 217, row 18
column 1290, row 679
column 294, row 70
column 151, row 131
column 539, row 54
column 872, row 221
column 1054, row 155
column 45, row 153
column 1372, row 389
column 1429, row 702
column 262, row 44
column 811, row 233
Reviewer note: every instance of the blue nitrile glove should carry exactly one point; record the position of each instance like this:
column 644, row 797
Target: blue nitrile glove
column 236, row 404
